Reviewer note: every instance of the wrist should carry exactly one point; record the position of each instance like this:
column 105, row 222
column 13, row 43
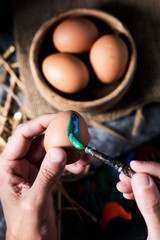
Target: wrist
column 45, row 231
column 21, row 236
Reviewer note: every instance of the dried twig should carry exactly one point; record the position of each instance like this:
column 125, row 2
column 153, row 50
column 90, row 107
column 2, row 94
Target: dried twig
column 61, row 188
column 11, row 72
column 137, row 120
column 8, row 52
column 2, row 142
column 15, row 65
column 7, row 105
column 3, row 76
column 14, row 96
column 12, row 112
column 17, row 117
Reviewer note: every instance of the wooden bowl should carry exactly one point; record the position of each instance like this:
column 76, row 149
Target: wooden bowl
column 97, row 97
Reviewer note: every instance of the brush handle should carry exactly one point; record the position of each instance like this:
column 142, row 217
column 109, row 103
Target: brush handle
column 117, row 165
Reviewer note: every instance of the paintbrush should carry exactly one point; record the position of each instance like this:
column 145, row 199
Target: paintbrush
column 73, row 129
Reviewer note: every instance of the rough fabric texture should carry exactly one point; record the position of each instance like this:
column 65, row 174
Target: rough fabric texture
column 140, row 17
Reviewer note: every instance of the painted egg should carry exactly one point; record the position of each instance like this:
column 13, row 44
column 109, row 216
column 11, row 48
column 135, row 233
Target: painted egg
column 109, row 58
column 65, row 72
column 56, row 135
column 75, row 35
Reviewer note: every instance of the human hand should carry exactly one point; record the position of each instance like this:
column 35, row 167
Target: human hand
column 27, row 177
column 143, row 188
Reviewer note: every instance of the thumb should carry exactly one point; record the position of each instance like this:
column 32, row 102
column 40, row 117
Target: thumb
column 51, row 169
column 148, row 200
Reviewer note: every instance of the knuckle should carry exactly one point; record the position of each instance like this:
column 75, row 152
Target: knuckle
column 22, row 128
column 156, row 208
column 49, row 175
column 5, row 175
column 19, row 127
column 153, row 207
column 27, row 206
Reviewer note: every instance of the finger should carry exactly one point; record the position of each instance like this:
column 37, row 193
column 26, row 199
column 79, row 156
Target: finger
column 85, row 160
column 49, row 173
column 148, row 200
column 36, row 151
column 124, row 188
column 20, row 141
column 125, row 179
column 124, row 185
column 151, row 168
column 128, row 196
column 79, row 166
column 75, row 168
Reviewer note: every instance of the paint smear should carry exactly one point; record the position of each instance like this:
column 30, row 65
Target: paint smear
column 73, row 128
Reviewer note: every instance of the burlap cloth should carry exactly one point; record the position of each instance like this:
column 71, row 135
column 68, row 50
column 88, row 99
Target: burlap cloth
column 141, row 17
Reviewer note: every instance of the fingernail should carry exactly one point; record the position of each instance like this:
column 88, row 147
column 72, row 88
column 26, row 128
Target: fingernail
column 137, row 161
column 142, row 181
column 56, row 155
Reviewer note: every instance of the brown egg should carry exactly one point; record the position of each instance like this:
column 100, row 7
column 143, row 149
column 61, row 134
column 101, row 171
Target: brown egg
column 65, row 72
column 75, row 35
column 109, row 58
column 56, row 135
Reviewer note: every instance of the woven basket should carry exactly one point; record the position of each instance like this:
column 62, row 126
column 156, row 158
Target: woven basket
column 97, row 97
